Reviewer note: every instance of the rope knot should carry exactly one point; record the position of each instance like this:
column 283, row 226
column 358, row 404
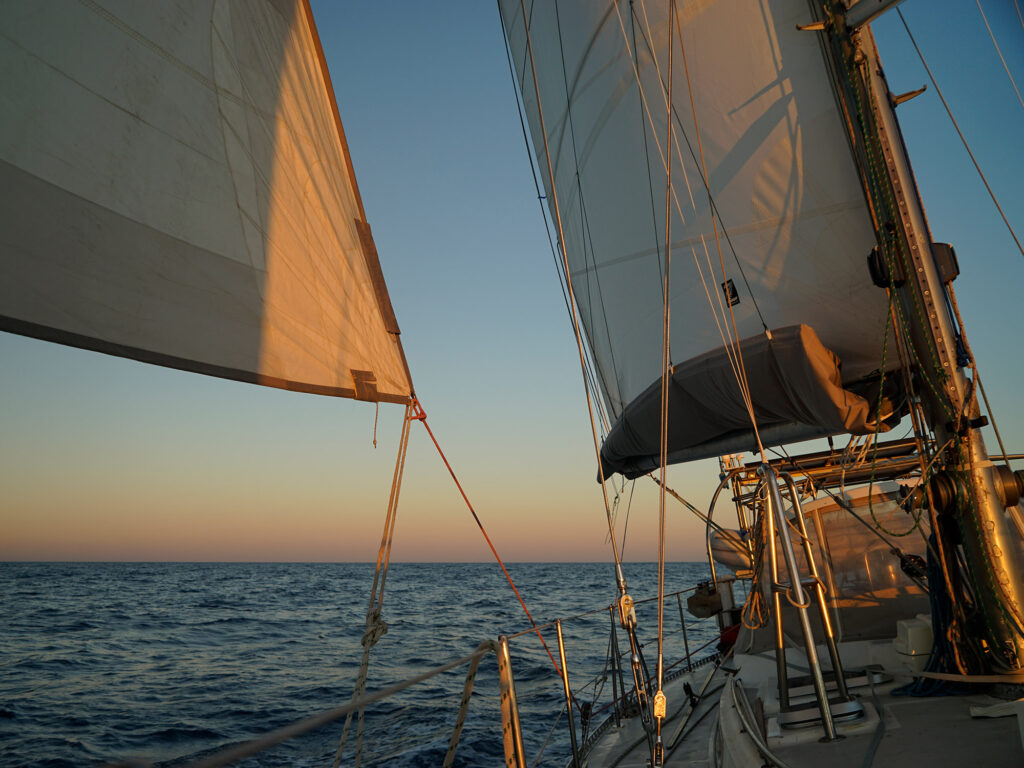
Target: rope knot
column 376, row 628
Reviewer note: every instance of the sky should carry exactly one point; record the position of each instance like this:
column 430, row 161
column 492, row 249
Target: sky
column 107, row 459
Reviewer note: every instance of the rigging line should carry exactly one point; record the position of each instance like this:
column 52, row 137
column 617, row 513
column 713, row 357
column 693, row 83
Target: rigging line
column 665, row 374
column 290, row 731
column 952, row 119
column 669, row 106
column 700, row 515
column 396, row 490
column 1019, row 16
column 620, row 578
column 629, row 506
column 634, row 56
column 846, row 506
column 718, row 244
column 977, row 375
column 646, row 110
column 375, row 627
column 729, row 352
column 562, row 280
column 738, row 368
column 421, row 416
column 1006, row 68
column 584, row 219
column 529, row 155
column 716, row 214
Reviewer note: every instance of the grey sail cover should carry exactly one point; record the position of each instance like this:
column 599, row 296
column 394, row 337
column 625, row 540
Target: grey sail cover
column 794, row 384
column 794, row 227
column 175, row 187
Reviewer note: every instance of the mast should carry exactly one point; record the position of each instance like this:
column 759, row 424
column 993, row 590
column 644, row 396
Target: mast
column 969, row 494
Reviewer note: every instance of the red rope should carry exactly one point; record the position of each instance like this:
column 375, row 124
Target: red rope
column 420, row 415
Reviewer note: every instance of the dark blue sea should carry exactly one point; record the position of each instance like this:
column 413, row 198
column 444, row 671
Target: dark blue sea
column 168, row 662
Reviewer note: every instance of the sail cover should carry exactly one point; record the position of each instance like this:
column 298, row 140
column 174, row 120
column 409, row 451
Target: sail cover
column 175, row 187
column 793, row 232
column 794, row 385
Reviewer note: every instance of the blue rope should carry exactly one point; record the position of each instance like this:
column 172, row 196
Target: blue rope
column 942, row 658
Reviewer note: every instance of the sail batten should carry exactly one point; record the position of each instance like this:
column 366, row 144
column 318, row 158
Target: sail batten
column 175, row 187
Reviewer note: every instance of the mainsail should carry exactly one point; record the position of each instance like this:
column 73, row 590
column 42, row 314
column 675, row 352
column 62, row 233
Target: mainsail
column 175, row 187
column 759, row 143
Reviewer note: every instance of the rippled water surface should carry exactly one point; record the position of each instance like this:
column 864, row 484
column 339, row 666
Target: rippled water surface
column 168, row 662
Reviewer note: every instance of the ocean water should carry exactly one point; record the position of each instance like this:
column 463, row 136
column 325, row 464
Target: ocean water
column 168, row 662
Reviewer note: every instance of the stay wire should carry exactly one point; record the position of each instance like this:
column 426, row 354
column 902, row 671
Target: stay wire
column 584, row 220
column 963, row 140
column 421, row 416
column 731, row 351
column 666, row 375
column 716, row 214
column 625, row 527
column 977, row 375
column 591, row 376
column 529, row 155
column 704, row 175
column 1006, row 68
column 619, row 576
column 375, row 626
column 731, row 348
column 643, row 124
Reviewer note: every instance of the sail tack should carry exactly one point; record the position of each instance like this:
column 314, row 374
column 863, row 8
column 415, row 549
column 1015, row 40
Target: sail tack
column 758, row 143
column 175, row 187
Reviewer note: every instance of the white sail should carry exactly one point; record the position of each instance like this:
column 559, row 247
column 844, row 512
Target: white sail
column 175, row 187
column 794, row 229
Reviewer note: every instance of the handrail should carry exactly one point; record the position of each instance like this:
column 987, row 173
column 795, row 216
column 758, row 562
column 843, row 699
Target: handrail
column 594, row 612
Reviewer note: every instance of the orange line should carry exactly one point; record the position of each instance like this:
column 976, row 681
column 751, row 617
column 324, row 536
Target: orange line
column 420, row 415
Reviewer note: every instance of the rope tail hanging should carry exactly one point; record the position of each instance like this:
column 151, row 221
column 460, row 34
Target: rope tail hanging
column 375, row 625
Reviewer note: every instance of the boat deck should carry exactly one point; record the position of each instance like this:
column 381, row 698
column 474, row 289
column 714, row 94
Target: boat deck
column 894, row 730
column 920, row 731
column 625, row 745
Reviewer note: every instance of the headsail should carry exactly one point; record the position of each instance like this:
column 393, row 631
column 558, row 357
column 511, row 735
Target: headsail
column 175, row 187
column 793, row 227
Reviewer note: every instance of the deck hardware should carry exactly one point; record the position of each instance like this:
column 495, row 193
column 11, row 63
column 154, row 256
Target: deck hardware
column 660, row 704
column 568, row 697
column 627, row 612
column 511, row 730
column 686, row 640
column 616, row 669
column 897, row 100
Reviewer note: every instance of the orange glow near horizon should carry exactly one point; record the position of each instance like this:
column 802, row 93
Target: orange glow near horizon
column 107, row 503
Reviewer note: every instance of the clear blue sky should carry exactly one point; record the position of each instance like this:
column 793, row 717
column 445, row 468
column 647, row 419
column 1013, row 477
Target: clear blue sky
column 102, row 458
